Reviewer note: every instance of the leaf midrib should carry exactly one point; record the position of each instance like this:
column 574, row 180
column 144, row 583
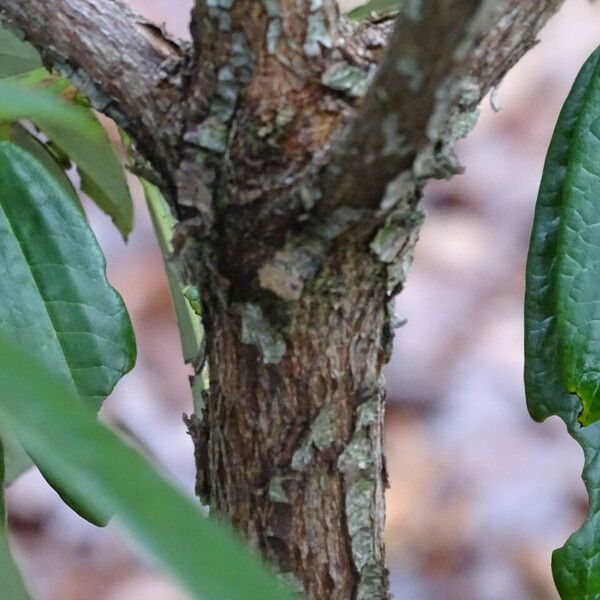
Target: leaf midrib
column 35, row 280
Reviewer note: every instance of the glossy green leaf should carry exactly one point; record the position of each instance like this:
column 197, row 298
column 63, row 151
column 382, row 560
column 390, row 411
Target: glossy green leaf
column 53, row 105
column 54, row 296
column 12, row 585
column 106, row 474
column 16, row 56
column 375, row 9
column 564, row 265
column 562, row 311
column 16, row 133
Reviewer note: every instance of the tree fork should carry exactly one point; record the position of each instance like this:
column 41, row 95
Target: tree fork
column 295, row 172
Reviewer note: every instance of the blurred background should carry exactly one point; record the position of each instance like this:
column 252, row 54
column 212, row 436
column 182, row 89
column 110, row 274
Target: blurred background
column 480, row 494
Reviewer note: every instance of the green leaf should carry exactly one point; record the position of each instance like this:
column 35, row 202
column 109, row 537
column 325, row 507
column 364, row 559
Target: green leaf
column 12, row 583
column 562, row 308
column 54, row 107
column 190, row 328
column 103, row 472
column 20, row 101
column 54, row 296
column 16, row 133
column 16, row 56
column 10, row 578
column 375, row 9
column 185, row 298
column 563, row 295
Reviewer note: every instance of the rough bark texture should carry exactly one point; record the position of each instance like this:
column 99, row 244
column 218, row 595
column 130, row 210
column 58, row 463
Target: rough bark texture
column 294, row 455
column 295, row 171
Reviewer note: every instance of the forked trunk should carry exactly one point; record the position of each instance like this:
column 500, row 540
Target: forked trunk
column 295, row 172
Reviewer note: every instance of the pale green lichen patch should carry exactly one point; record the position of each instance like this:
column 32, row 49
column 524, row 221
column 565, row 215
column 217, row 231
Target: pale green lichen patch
column 223, row 104
column 321, row 432
column 275, row 25
column 317, row 31
column 413, row 10
column 276, row 491
column 257, row 330
column 395, row 142
column 402, row 187
column 398, row 271
column 432, row 163
column 388, row 242
column 285, row 115
column 338, row 222
column 211, row 135
column 462, row 123
column 232, row 77
column 357, row 463
column 320, row 437
column 274, row 31
column 391, row 239
column 395, row 244
column 394, row 320
column 346, row 78
column 373, row 581
column 455, row 114
column 273, row 8
column 359, row 499
column 469, row 91
column 408, row 67
column 456, row 96
column 219, row 10
column 309, row 196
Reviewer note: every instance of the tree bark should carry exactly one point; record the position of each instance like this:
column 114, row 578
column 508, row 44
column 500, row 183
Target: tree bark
column 289, row 447
column 295, row 172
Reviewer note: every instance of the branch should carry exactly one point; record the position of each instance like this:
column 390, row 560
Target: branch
column 441, row 61
column 127, row 66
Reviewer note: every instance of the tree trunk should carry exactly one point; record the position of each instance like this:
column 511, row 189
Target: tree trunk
column 295, row 167
column 290, row 445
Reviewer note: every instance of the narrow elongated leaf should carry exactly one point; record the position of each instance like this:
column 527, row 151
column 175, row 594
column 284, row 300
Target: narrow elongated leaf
column 75, row 130
column 16, row 56
column 103, row 472
column 188, row 321
column 10, row 578
column 54, row 296
column 562, row 305
column 187, row 311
